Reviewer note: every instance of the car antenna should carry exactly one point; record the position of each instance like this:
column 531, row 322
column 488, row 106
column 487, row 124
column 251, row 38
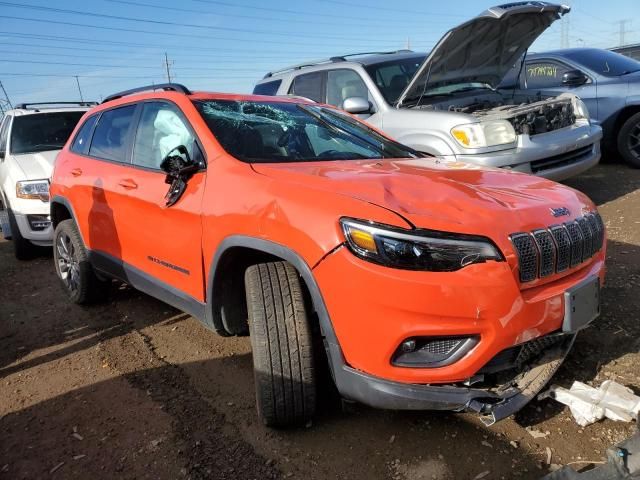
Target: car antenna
column 517, row 84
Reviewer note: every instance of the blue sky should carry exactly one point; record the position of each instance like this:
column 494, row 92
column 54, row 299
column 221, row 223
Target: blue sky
column 226, row 45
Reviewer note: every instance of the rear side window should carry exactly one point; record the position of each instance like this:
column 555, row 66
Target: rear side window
column 83, row 138
column 309, row 85
column 267, row 88
column 111, row 135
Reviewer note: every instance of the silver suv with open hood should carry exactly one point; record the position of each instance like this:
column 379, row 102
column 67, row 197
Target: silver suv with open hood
column 447, row 103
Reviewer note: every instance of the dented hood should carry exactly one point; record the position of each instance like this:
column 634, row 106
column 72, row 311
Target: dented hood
column 483, row 49
column 433, row 193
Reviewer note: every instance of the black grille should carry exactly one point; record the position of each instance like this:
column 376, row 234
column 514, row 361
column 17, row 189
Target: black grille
column 522, row 355
column 547, row 251
column 577, row 242
column 563, row 244
column 587, row 234
column 442, row 347
column 527, row 256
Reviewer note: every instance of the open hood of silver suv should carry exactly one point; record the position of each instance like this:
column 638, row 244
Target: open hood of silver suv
column 483, row 49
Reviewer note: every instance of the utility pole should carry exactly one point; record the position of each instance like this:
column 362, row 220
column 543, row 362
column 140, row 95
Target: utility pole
column 167, row 64
column 79, row 89
column 623, row 30
column 408, row 43
column 4, row 102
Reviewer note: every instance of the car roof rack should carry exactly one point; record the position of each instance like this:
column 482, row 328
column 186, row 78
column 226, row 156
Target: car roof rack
column 173, row 87
column 336, row 59
column 25, row 106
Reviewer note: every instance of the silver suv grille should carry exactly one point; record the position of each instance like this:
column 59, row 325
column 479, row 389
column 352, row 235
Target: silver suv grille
column 547, row 251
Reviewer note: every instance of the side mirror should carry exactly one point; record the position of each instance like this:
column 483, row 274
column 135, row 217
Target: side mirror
column 356, row 105
column 179, row 167
column 574, row 78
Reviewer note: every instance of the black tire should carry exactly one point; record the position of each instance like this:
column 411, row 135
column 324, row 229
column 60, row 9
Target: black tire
column 629, row 141
column 23, row 248
column 73, row 268
column 282, row 345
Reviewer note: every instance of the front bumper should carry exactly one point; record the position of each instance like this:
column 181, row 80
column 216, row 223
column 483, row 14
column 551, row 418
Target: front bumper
column 373, row 309
column 42, row 237
column 555, row 155
column 492, row 405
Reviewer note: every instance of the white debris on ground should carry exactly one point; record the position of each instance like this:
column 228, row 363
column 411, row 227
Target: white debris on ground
column 588, row 404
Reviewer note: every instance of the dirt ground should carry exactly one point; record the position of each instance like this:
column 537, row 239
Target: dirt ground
column 135, row 389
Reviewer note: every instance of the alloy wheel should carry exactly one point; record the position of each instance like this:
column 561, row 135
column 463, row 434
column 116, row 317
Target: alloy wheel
column 68, row 264
column 633, row 141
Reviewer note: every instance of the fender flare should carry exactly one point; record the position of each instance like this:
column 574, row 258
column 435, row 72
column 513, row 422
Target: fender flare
column 334, row 352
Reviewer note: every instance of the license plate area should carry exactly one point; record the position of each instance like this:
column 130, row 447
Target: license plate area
column 581, row 304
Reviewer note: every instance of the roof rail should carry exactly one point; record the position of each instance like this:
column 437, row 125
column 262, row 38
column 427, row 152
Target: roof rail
column 24, row 106
column 339, row 58
column 174, row 87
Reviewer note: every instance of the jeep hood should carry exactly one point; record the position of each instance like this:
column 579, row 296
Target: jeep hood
column 483, row 49
column 36, row 166
column 433, row 193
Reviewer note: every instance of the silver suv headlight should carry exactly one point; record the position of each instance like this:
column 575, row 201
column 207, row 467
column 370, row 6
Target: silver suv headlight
column 33, row 189
column 429, row 250
column 580, row 109
column 484, row 134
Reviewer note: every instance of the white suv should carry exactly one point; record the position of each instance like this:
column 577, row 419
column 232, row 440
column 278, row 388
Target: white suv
column 31, row 135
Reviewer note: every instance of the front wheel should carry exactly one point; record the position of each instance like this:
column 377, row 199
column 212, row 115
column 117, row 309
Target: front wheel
column 629, row 141
column 282, row 346
column 72, row 264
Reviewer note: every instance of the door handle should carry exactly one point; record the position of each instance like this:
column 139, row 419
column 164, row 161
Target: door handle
column 76, row 172
column 128, row 184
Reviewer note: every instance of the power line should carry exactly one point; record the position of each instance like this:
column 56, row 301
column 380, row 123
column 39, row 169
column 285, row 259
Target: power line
column 290, row 11
column 164, row 34
column 155, row 46
column 168, row 23
column 350, row 22
column 391, row 9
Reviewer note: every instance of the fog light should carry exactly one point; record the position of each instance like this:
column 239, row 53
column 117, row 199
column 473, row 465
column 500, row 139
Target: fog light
column 408, row 346
column 432, row 352
column 39, row 222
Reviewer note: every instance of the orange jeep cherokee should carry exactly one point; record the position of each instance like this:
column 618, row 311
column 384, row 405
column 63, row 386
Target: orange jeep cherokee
column 428, row 284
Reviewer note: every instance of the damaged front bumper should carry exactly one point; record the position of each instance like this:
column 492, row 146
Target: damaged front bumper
column 492, row 403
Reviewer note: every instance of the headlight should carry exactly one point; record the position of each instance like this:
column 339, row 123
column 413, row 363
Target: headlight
column 33, row 189
column 416, row 250
column 485, row 134
column 580, row 109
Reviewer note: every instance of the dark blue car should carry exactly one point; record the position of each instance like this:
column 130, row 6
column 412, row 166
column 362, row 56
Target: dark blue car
column 609, row 83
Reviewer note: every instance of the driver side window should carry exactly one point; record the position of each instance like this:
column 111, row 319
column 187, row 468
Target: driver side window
column 160, row 130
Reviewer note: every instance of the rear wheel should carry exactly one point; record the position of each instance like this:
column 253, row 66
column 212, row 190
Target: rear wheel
column 629, row 141
column 282, row 346
column 72, row 264
column 23, row 248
